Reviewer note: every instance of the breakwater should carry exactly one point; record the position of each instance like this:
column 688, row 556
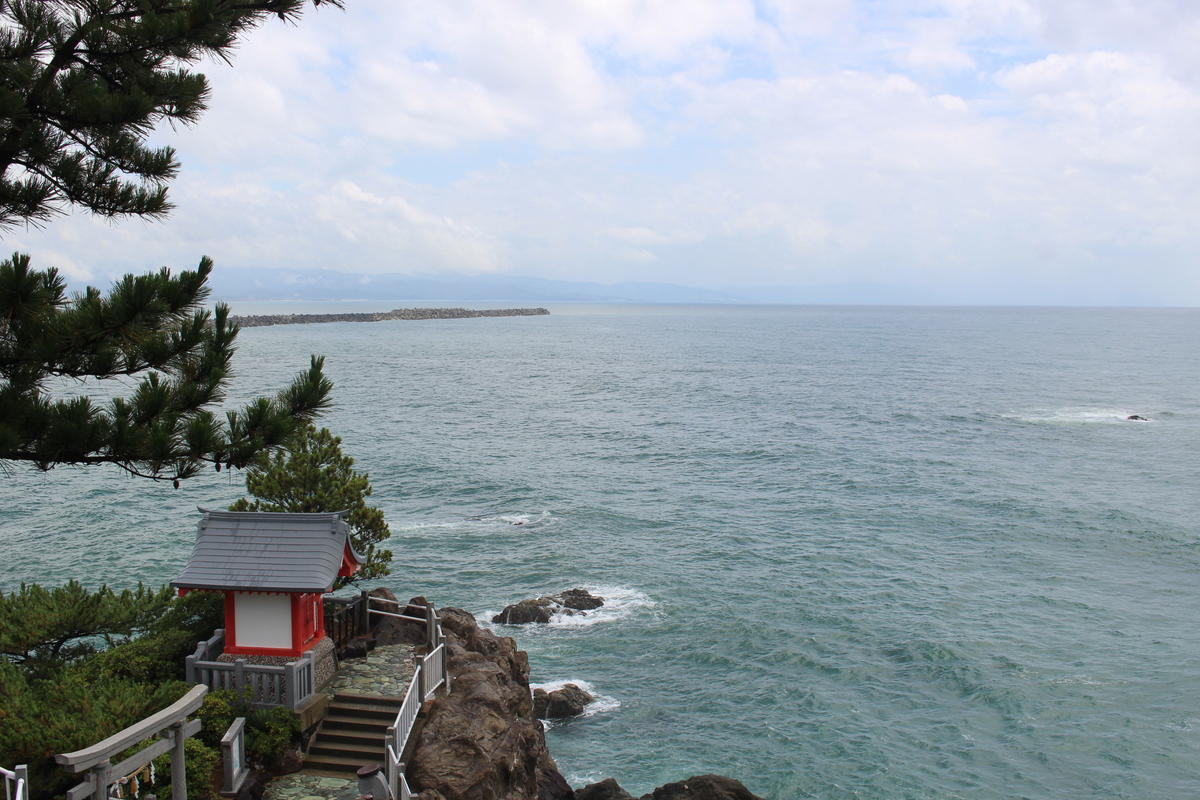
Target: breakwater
column 261, row 320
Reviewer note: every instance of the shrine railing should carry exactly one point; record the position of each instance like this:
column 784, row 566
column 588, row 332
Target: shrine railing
column 344, row 619
column 289, row 685
column 347, row 617
column 16, row 782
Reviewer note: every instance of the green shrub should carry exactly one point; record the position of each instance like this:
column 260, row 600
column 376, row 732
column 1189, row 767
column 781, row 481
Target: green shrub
column 269, row 731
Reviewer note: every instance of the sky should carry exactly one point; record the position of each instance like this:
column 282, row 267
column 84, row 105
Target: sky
column 956, row 151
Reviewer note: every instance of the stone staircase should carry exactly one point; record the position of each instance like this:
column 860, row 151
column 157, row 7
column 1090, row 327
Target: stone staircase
column 351, row 734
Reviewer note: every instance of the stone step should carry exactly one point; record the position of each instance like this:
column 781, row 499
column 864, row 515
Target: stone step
column 344, row 751
column 339, row 765
column 382, row 713
column 344, row 722
column 372, row 738
column 368, row 699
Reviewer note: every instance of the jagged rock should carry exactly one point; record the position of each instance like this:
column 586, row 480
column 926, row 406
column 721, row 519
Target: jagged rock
column 358, row 647
column 553, row 786
column 607, row 789
column 569, row 701
column 481, row 741
column 389, row 630
column 526, row 611
column 578, row 599
column 541, row 609
column 703, row 787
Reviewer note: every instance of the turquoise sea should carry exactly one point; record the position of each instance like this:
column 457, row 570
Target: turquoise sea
column 850, row 552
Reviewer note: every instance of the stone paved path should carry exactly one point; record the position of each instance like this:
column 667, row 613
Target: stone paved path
column 303, row 786
column 385, row 671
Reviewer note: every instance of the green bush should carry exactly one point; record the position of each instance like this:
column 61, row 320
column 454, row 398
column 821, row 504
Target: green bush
column 269, row 731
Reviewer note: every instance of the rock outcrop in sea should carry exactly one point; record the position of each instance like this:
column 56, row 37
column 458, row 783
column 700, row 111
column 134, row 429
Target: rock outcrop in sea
column 261, row 320
column 542, row 609
column 700, row 787
column 569, row 701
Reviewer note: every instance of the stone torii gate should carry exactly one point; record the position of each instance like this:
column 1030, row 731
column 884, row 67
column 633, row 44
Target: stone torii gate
column 171, row 726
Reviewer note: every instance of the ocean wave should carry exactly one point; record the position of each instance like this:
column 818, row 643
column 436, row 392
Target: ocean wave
column 417, row 527
column 620, row 602
column 601, row 704
column 482, row 523
column 516, row 519
column 1081, row 416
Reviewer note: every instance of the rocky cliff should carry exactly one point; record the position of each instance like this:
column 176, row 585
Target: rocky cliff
column 483, row 742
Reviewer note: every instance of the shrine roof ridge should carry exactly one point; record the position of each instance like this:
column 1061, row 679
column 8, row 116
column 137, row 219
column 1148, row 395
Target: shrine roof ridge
column 269, row 551
column 300, row 515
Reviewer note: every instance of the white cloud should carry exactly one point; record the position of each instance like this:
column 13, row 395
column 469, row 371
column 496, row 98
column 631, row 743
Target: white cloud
column 981, row 143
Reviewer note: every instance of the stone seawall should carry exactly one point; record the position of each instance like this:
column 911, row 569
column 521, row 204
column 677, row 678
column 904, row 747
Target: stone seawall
column 261, row 320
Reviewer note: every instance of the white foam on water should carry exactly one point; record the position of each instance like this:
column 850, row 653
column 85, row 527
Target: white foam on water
column 483, row 523
column 601, row 704
column 526, row 520
column 514, row 519
column 417, row 527
column 1082, row 416
column 586, row 778
column 620, row 602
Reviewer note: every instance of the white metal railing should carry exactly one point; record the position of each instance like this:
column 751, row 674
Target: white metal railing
column 394, row 603
column 289, row 685
column 16, row 782
column 433, row 671
column 406, row 717
column 396, row 781
column 430, row 674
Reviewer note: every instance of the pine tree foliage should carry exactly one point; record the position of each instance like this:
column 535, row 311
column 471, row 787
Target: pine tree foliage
column 83, row 82
column 151, row 325
column 40, row 626
column 68, row 712
column 79, row 665
column 313, row 474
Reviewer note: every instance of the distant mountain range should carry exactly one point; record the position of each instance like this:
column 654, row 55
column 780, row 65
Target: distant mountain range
column 252, row 284
column 263, row 284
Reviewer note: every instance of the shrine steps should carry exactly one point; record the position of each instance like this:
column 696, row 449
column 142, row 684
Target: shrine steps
column 352, row 733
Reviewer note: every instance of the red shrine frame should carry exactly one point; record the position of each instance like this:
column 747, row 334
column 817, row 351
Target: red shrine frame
column 308, row 625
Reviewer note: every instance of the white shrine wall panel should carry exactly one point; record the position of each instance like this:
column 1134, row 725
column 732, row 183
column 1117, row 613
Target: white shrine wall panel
column 262, row 620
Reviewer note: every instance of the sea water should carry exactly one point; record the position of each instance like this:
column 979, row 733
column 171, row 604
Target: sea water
column 847, row 552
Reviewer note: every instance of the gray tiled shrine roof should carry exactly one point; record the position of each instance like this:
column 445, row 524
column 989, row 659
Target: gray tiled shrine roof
column 266, row 551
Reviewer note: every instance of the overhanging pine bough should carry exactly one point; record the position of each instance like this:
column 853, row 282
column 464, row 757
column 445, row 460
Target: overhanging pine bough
column 152, row 324
column 82, row 83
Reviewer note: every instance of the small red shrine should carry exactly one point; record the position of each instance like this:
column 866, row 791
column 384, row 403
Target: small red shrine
column 273, row 568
